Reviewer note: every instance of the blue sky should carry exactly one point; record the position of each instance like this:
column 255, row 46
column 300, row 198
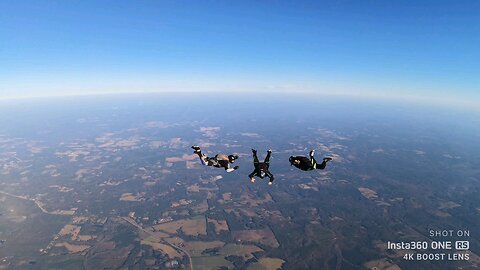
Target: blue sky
column 426, row 49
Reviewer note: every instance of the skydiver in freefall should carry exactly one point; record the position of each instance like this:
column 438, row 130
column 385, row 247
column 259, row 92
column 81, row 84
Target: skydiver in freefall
column 306, row 164
column 218, row 161
column 261, row 168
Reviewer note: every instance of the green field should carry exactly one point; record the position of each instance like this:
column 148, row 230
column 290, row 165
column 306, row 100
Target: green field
column 210, row 262
column 26, row 229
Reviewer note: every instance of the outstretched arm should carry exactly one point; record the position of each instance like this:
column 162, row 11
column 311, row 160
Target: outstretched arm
column 231, row 169
column 270, row 176
column 252, row 176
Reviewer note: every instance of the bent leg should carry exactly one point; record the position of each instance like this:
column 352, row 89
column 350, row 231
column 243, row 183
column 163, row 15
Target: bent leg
column 203, row 158
column 313, row 162
column 267, row 158
column 324, row 163
column 321, row 166
column 255, row 158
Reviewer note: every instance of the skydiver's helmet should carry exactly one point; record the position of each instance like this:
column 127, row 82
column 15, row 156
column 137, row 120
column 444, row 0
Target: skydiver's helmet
column 291, row 159
column 232, row 158
column 262, row 173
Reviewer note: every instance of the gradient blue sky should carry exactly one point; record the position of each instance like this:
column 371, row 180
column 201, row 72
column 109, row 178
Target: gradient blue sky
column 429, row 49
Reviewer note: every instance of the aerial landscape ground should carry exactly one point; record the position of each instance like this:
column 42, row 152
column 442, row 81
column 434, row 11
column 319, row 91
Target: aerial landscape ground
column 107, row 107
column 111, row 182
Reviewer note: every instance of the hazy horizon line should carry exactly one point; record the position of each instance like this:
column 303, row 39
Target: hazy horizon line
column 449, row 102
